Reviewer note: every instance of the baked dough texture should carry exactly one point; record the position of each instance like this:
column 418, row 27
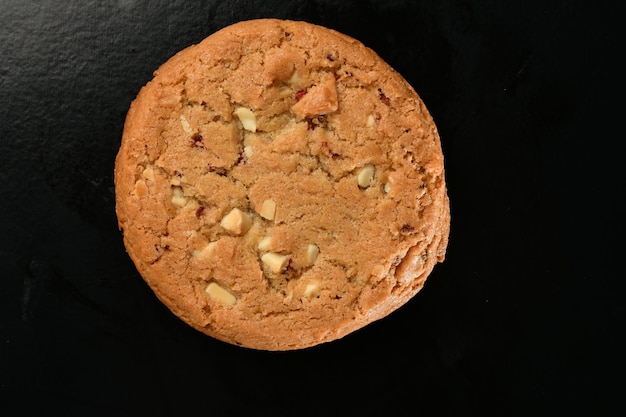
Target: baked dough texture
column 279, row 185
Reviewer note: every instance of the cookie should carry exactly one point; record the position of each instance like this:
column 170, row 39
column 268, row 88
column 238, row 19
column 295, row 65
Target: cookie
column 279, row 185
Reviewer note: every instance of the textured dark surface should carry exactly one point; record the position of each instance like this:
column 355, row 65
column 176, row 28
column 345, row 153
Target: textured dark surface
column 524, row 318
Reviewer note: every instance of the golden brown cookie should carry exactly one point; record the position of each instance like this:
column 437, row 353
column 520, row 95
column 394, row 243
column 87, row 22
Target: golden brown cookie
column 278, row 186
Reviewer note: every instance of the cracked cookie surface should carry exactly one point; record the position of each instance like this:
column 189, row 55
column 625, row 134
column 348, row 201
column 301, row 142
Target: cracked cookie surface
column 278, row 186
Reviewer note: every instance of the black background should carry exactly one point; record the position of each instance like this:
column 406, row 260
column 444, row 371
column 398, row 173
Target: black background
column 524, row 318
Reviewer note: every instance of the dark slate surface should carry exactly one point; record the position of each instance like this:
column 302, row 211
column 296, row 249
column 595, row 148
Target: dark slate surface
column 525, row 317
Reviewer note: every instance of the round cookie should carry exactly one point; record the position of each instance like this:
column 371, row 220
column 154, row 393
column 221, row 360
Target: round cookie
column 279, row 185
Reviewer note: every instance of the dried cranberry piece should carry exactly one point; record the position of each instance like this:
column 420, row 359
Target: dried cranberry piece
column 218, row 170
column 242, row 158
column 300, row 94
column 383, row 97
column 197, row 141
column 327, row 151
column 407, row 228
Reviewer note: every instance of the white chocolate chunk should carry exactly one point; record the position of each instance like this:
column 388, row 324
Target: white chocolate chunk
column 148, row 174
column 247, row 118
column 178, row 198
column 388, row 185
column 185, row 124
column 236, row 221
column 206, row 251
column 141, row 189
column 220, row 294
column 371, row 121
column 268, row 209
column 311, row 253
column 366, row 175
column 295, row 78
column 264, row 244
column 177, row 192
column 275, row 261
column 248, row 151
column 311, row 290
